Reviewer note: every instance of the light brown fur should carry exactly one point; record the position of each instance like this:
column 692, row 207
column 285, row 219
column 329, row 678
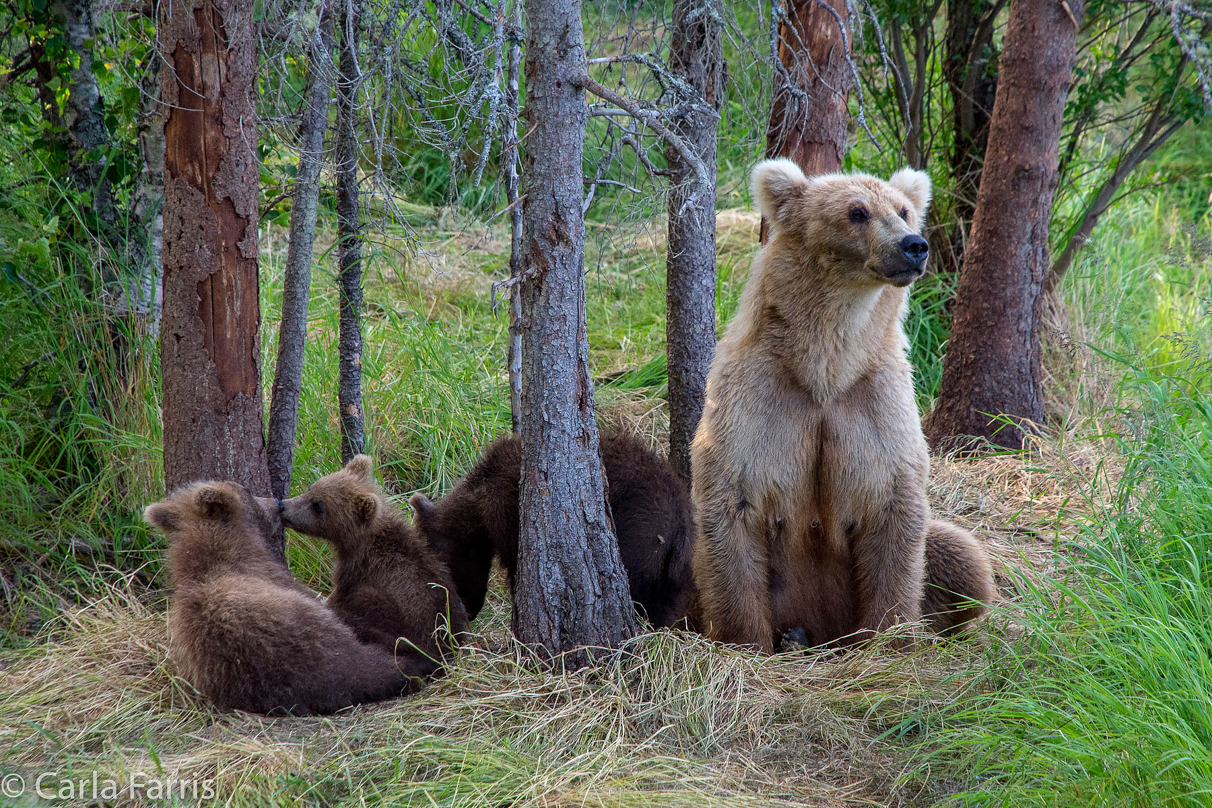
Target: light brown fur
column 387, row 584
column 242, row 630
column 809, row 464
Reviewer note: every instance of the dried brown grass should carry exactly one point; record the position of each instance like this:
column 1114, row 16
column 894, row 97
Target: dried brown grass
column 676, row 720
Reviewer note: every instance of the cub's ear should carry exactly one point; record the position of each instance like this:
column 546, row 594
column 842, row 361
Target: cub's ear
column 422, row 505
column 775, row 184
column 366, row 507
column 162, row 515
column 360, row 467
column 216, row 502
column 915, row 185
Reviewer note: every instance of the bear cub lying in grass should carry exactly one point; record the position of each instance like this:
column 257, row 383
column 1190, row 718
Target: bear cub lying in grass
column 387, row 583
column 242, row 630
column 651, row 509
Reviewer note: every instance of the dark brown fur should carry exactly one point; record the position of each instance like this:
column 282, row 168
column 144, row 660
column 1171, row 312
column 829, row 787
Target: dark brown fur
column 242, row 630
column 479, row 519
column 387, row 583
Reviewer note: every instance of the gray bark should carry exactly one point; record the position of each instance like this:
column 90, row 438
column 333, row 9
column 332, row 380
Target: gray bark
column 970, row 71
column 349, row 237
column 145, row 244
column 571, row 590
column 210, row 342
column 84, row 116
column 695, row 55
column 510, row 158
column 292, row 336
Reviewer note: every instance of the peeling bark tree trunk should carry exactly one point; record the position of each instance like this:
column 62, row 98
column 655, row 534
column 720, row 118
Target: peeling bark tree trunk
column 992, row 367
column 349, row 238
column 571, row 590
column 809, row 116
column 210, row 345
column 695, row 55
column 292, row 336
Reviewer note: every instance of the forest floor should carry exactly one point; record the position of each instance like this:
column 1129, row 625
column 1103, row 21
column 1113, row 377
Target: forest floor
column 674, row 720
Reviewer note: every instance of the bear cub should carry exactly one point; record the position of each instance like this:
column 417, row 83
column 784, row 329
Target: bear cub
column 387, row 583
column 242, row 630
column 478, row 520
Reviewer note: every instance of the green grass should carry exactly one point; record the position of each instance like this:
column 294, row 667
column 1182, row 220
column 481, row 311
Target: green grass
column 1094, row 692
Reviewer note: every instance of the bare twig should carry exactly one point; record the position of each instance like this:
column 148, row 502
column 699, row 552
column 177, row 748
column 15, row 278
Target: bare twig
column 652, row 120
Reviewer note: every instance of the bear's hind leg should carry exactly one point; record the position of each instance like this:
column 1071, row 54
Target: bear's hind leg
column 959, row 578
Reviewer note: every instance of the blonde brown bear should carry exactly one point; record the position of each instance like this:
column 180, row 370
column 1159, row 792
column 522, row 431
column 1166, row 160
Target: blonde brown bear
column 809, row 464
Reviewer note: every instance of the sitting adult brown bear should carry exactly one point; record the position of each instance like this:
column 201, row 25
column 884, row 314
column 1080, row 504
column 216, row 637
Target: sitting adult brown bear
column 651, row 509
column 809, row 464
column 242, row 630
column 387, row 583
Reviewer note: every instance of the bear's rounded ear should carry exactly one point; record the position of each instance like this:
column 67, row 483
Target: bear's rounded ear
column 162, row 515
column 422, row 506
column 366, row 507
column 916, row 186
column 360, row 467
column 775, row 184
column 216, row 502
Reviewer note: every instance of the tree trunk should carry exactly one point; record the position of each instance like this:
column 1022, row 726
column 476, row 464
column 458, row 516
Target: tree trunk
column 510, row 158
column 571, row 590
column 808, row 114
column 145, row 244
column 992, row 372
column 288, row 373
column 349, row 237
column 210, row 344
column 696, row 55
column 84, row 116
column 910, row 86
column 969, row 70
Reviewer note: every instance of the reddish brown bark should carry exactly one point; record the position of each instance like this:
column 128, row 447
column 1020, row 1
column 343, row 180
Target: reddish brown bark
column 808, row 114
column 210, row 340
column 992, row 372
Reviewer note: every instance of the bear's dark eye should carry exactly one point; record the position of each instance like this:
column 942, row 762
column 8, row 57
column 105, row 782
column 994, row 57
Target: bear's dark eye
column 317, row 507
column 904, row 214
column 859, row 214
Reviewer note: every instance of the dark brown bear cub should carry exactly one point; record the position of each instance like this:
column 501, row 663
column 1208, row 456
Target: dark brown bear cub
column 242, row 630
column 387, row 583
column 479, row 519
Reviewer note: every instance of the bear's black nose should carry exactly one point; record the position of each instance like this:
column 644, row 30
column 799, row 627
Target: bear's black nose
column 915, row 249
column 281, row 506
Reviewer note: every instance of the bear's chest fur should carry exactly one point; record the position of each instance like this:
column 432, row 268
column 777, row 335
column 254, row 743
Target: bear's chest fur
column 818, row 475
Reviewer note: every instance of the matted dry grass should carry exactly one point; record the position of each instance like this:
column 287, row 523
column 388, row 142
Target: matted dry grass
column 675, row 720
